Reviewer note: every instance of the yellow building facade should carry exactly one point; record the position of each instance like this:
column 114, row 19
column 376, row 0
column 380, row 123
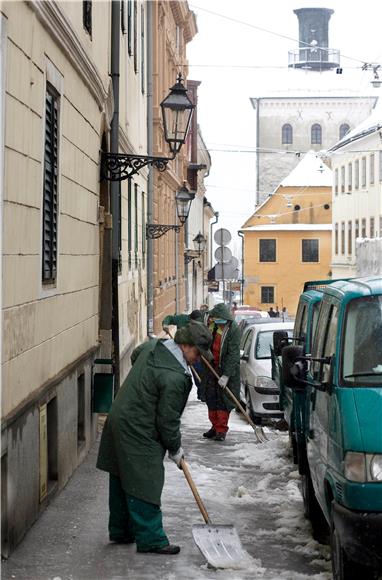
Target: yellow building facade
column 287, row 241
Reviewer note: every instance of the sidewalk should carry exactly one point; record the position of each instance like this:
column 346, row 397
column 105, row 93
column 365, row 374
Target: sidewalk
column 253, row 486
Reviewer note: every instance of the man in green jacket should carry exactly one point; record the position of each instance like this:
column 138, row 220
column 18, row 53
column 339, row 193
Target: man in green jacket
column 226, row 355
column 144, row 423
column 180, row 320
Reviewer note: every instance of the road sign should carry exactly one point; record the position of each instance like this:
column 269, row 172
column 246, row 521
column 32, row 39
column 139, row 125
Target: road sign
column 225, row 272
column 222, row 237
column 223, row 254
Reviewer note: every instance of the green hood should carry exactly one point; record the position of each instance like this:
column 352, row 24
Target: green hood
column 221, row 311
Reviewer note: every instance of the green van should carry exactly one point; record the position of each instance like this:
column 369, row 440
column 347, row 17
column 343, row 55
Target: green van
column 343, row 428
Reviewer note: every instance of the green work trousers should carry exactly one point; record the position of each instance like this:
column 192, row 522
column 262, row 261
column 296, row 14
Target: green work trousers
column 134, row 520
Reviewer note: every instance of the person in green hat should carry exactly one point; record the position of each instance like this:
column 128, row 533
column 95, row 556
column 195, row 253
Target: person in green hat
column 180, row 320
column 226, row 356
column 144, row 423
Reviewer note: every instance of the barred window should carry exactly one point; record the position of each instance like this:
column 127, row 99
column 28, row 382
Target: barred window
column 350, row 238
column 336, row 239
column 350, row 176
column 342, row 238
column 343, row 179
column 356, row 171
column 316, row 134
column 336, row 181
column 267, row 251
column 50, row 194
column 363, row 230
column 287, row 134
column 363, row 182
column 372, row 168
column 372, row 227
column 344, row 129
column 267, row 294
column 310, row 251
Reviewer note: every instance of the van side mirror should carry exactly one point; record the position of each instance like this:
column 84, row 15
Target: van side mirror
column 243, row 356
column 280, row 339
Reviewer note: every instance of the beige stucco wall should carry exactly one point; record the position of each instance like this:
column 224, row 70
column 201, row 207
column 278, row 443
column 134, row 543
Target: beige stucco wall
column 47, row 329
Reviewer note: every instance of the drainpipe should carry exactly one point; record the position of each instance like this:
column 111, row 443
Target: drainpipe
column 186, row 268
column 150, row 181
column 115, row 189
column 177, row 305
column 257, row 151
column 211, row 240
column 241, row 235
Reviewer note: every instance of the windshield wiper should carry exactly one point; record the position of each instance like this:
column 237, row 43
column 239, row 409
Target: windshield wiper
column 364, row 374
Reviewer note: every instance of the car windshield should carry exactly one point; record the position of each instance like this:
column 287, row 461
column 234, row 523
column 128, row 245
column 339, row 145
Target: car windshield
column 245, row 315
column 264, row 341
column 362, row 343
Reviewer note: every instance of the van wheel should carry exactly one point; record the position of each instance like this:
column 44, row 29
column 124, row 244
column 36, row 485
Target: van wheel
column 313, row 511
column 343, row 568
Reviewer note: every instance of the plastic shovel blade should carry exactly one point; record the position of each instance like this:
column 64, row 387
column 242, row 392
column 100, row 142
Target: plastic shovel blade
column 221, row 546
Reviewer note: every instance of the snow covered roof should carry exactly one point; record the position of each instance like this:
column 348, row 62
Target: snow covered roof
column 288, row 227
column 310, row 172
column 370, row 125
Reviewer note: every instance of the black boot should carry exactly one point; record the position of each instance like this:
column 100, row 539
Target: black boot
column 219, row 437
column 209, row 434
column 166, row 550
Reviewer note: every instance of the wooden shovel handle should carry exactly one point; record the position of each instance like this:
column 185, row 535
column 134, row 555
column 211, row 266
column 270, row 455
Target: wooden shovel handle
column 231, row 395
column 195, row 492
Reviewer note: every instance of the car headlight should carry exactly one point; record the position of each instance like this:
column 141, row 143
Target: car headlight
column 265, row 383
column 363, row 467
column 376, row 468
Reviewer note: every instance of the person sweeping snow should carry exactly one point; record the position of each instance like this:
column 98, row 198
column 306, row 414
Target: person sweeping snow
column 226, row 353
column 144, row 423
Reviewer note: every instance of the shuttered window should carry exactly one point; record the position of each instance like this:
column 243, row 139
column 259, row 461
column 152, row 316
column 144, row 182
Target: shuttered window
column 50, row 196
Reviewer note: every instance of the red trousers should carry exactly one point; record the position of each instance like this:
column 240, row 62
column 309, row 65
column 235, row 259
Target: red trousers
column 219, row 420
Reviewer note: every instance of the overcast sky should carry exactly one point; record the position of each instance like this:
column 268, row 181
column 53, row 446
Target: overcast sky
column 225, row 115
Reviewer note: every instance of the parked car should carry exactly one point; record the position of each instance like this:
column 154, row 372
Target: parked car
column 242, row 314
column 258, row 390
column 342, row 486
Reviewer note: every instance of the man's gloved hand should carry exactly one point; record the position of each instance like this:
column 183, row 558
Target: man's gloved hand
column 223, row 381
column 177, row 457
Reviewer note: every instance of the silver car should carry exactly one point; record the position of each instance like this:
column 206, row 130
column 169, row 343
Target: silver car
column 258, row 390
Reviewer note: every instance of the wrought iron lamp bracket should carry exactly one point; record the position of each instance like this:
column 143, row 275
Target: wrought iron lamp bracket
column 121, row 166
column 155, row 231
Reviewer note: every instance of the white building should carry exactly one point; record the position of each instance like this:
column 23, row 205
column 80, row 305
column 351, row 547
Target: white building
column 357, row 196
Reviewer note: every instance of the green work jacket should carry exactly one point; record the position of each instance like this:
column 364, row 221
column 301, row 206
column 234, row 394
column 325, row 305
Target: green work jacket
column 178, row 320
column 144, row 421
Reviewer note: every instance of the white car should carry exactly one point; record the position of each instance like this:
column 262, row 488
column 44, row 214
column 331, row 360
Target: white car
column 258, row 389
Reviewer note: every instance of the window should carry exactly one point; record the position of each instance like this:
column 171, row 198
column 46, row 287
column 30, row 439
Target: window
column 50, row 194
column 350, row 177
column 129, row 221
column 264, row 341
column 363, row 182
column 142, row 50
column 129, row 26
column 135, row 48
column 316, row 134
column 344, row 128
column 372, row 168
column 356, row 177
column 342, row 238
column 248, row 344
column 363, row 228
column 356, row 229
column 310, row 250
column 267, row 294
column 87, row 16
column 325, row 341
column 380, row 166
column 372, row 227
column 330, row 341
column 336, row 239
column 350, row 238
column 343, row 179
column 336, row 181
column 267, row 250
column 287, row 134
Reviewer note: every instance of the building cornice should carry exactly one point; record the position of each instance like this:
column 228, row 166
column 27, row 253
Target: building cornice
column 59, row 27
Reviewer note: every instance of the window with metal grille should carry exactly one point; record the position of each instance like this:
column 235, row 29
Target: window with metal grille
column 287, row 134
column 267, row 294
column 363, row 182
column 356, row 229
column 344, row 128
column 372, row 168
column 363, row 228
column 372, row 227
column 356, row 171
column 267, row 250
column 87, row 16
column 343, row 179
column 342, row 238
column 350, row 176
column 336, row 181
column 316, row 134
column 310, row 251
column 50, row 194
column 350, row 238
column 336, row 239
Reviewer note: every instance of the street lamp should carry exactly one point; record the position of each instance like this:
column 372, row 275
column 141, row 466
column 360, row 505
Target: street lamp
column 183, row 200
column 200, row 243
column 177, row 110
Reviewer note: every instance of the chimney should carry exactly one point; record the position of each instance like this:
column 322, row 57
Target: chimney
column 314, row 52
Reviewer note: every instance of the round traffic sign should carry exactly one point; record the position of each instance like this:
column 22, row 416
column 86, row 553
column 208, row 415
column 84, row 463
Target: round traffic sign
column 223, row 254
column 222, row 237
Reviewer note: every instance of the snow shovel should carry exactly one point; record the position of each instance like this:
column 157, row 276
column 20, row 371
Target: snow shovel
column 260, row 435
column 219, row 543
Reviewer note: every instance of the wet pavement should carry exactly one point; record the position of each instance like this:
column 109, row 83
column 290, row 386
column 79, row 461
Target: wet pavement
column 255, row 487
